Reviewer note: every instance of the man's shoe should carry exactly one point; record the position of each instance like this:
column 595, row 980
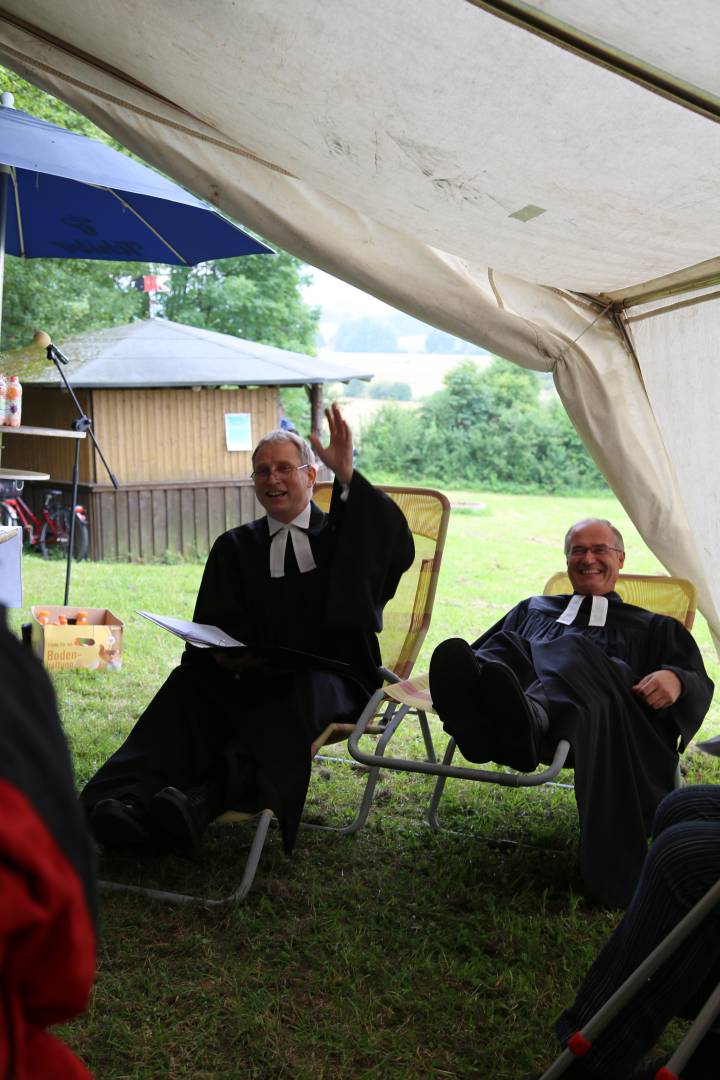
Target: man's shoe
column 119, row 824
column 180, row 818
column 456, row 691
column 519, row 723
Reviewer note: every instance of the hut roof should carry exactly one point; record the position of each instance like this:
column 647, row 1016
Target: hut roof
column 160, row 353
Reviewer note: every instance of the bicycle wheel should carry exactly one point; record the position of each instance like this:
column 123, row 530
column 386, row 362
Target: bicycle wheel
column 7, row 516
column 55, row 535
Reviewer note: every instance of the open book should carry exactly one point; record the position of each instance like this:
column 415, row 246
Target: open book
column 205, row 637
column 212, row 637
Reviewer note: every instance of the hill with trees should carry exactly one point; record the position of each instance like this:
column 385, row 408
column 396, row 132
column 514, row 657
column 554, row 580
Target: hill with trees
column 487, row 429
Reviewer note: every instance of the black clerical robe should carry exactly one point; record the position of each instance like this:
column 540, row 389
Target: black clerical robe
column 624, row 752
column 47, row 876
column 254, row 728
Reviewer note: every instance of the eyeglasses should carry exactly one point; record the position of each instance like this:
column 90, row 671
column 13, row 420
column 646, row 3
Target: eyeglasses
column 597, row 549
column 264, row 472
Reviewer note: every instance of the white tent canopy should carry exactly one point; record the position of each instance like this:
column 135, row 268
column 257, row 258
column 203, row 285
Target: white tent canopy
column 538, row 178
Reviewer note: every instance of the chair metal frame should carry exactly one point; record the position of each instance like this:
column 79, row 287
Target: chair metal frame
column 428, row 512
column 412, row 698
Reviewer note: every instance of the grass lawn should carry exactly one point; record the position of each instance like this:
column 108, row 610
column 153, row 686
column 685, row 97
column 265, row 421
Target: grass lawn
column 394, row 953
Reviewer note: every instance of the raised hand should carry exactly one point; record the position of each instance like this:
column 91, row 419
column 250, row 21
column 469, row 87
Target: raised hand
column 338, row 455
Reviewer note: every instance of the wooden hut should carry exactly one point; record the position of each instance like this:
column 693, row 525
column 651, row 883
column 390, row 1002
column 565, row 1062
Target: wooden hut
column 175, row 411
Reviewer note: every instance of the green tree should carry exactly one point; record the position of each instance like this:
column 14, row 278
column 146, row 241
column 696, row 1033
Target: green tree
column 465, row 401
column 295, row 404
column 392, row 443
column 256, row 297
column 390, row 391
column 511, row 386
column 486, row 428
column 67, row 296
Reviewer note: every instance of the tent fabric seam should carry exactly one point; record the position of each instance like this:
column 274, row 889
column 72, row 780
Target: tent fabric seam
column 595, row 51
column 124, row 103
column 673, row 307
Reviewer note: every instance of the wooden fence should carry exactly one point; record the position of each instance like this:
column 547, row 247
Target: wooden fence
column 148, row 522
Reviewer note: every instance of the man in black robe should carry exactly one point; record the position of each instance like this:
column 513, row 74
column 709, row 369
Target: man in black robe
column 625, row 687
column 306, row 591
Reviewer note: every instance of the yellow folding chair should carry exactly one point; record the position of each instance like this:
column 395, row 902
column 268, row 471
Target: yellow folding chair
column 405, row 623
column 672, row 596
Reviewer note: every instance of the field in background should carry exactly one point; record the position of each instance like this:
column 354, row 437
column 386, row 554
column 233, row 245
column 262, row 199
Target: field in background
column 423, row 371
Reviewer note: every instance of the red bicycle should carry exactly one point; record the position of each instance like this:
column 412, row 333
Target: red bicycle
column 50, row 533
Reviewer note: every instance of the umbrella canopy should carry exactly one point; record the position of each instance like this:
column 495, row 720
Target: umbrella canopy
column 65, row 196
column 71, row 197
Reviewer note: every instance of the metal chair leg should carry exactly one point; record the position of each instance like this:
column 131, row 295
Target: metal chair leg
column 249, row 871
column 373, row 776
column 432, row 810
column 697, row 1032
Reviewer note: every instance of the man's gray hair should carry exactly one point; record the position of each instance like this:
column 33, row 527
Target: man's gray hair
column 595, row 521
column 303, row 447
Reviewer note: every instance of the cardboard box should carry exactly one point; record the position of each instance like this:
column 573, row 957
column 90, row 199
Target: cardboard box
column 96, row 646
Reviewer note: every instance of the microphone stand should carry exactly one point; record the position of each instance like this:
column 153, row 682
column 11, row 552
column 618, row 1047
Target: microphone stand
column 83, row 423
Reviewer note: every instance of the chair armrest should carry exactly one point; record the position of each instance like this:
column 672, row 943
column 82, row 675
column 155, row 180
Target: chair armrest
column 388, row 676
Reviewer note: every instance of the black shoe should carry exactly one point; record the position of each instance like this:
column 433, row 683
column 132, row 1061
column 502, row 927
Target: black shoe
column 119, row 824
column 456, row 691
column 519, row 723
column 180, row 817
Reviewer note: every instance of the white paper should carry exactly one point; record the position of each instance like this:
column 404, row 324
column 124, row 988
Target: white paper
column 199, row 634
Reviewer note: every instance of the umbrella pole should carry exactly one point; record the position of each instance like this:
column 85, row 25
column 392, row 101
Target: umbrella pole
column 4, row 185
column 7, row 101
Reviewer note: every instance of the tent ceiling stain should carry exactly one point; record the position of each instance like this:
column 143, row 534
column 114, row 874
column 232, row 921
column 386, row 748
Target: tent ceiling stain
column 527, row 213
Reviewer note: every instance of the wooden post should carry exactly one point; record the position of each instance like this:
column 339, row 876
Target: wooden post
column 316, row 408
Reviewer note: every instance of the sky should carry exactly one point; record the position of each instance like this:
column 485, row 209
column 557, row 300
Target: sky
column 339, row 300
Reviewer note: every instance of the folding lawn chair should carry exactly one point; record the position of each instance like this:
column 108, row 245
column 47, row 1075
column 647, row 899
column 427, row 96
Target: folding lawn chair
column 411, row 698
column 405, row 623
column 406, row 620
column 580, row 1042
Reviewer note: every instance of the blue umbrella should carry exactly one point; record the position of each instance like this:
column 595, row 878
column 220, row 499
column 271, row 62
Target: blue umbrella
column 65, row 196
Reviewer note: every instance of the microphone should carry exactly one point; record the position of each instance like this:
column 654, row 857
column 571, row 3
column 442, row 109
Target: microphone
column 45, row 342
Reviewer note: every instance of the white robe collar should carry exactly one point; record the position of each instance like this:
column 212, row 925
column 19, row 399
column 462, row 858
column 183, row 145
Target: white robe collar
column 598, row 612
column 301, row 545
